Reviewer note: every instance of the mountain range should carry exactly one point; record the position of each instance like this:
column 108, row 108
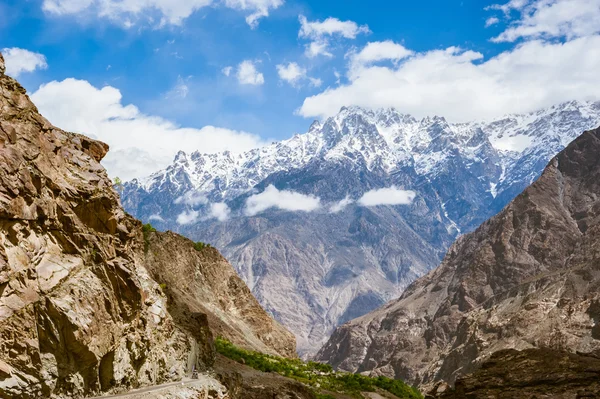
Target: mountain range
column 527, row 279
column 329, row 225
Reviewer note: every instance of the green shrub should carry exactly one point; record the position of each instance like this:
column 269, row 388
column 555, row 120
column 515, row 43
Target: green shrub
column 318, row 375
column 147, row 229
column 199, row 246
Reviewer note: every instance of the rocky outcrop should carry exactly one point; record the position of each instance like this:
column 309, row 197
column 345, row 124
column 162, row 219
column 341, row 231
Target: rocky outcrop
column 529, row 374
column 202, row 281
column 79, row 312
column 527, row 278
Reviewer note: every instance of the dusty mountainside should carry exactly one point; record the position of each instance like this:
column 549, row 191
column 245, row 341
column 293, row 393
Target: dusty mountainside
column 527, row 278
column 79, row 312
column 204, row 282
column 528, row 374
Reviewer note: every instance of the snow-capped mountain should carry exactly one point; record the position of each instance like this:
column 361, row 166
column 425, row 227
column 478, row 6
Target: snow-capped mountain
column 315, row 270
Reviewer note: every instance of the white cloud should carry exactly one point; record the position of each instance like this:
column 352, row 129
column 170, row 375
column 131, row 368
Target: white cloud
column 219, row 211
column 286, row 200
column 315, row 82
column 341, row 205
column 330, row 27
column 180, row 90
column 387, row 196
column 18, row 60
column 156, row 217
column 462, row 86
column 191, row 198
column 294, row 74
column 188, row 217
column 169, row 12
column 227, row 70
column 259, row 8
column 247, row 74
column 552, row 19
column 491, row 21
column 316, row 48
column 140, row 144
column 291, row 73
column 379, row 51
column 319, row 32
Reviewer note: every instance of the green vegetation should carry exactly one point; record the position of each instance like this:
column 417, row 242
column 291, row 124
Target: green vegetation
column 317, row 375
column 199, row 246
column 147, row 229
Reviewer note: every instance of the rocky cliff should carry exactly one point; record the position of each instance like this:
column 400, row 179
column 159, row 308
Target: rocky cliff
column 528, row 374
column 527, row 278
column 79, row 311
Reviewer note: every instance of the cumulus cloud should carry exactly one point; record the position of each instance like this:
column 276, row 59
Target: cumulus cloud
column 320, row 32
column 330, row 27
column 316, row 48
column 219, row 211
column 188, row 217
column 294, row 74
column 341, row 205
column 491, row 21
column 165, row 12
column 551, row 19
column 378, row 51
column 156, row 217
column 284, row 199
column 315, row 82
column 387, row 196
column 18, row 60
column 247, row 74
column 291, row 72
column 191, row 198
column 461, row 85
column 140, row 144
column 259, row 8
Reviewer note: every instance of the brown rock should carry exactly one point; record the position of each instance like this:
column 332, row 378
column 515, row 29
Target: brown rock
column 530, row 374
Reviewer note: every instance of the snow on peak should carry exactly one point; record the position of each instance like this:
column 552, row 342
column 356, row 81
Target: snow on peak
column 382, row 138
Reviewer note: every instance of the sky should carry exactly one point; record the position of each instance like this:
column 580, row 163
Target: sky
column 152, row 77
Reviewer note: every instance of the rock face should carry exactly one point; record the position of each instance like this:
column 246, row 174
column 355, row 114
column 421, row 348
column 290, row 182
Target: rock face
column 79, row 312
column 529, row 374
column 314, row 271
column 204, row 282
column 527, row 278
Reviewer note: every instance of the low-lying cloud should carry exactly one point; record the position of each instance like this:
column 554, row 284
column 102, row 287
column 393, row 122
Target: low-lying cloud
column 219, row 211
column 387, row 196
column 191, row 198
column 284, row 199
column 188, row 217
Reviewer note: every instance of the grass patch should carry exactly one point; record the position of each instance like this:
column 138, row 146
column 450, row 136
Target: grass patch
column 317, row 375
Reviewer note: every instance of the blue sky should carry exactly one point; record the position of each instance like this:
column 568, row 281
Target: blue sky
column 420, row 57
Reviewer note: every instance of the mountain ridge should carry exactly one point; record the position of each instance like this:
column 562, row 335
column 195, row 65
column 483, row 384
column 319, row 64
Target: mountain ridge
column 462, row 174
